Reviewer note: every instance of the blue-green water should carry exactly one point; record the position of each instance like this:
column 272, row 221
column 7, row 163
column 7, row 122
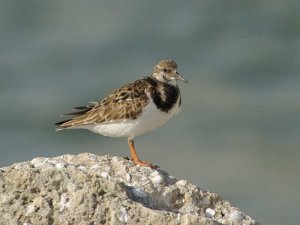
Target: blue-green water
column 239, row 131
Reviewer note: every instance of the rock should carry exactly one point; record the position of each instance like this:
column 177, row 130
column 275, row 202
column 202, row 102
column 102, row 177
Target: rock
column 210, row 213
column 91, row 189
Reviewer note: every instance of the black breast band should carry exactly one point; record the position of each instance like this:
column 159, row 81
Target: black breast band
column 171, row 94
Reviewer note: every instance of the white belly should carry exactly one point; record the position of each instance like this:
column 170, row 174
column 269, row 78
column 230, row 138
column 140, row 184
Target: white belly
column 150, row 119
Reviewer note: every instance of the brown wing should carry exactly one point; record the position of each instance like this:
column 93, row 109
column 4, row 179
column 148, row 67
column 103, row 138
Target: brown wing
column 122, row 104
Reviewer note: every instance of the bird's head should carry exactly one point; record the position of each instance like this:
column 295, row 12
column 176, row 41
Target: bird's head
column 166, row 71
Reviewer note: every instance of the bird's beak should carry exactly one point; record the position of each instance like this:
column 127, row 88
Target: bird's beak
column 179, row 77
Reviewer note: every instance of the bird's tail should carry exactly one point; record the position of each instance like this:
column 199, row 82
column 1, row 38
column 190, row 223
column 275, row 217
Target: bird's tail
column 60, row 125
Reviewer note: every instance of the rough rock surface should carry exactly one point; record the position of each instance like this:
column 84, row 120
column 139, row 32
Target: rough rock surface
column 91, row 189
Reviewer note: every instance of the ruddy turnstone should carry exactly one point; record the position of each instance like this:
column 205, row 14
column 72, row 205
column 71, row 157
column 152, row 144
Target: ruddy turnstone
column 133, row 109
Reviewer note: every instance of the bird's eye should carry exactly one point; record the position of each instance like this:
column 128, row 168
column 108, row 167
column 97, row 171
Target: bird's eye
column 165, row 70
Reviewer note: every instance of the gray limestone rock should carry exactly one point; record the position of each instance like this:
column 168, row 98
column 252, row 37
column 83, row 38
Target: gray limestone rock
column 91, row 189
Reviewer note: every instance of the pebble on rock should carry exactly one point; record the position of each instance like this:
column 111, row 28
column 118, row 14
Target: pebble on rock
column 210, row 213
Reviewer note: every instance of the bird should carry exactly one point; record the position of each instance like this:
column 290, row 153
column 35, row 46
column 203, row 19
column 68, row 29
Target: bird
column 133, row 109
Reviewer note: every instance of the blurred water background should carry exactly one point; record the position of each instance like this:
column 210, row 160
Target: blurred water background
column 239, row 131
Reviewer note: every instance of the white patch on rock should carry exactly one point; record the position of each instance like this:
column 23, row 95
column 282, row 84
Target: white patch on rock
column 123, row 216
column 53, row 161
column 128, row 177
column 64, row 202
column 156, row 177
column 178, row 218
column 104, row 174
column 95, row 167
column 30, row 209
column 114, row 159
column 181, row 182
column 210, row 213
column 37, row 162
column 236, row 216
column 60, row 165
column 82, row 168
column 37, row 202
column 20, row 166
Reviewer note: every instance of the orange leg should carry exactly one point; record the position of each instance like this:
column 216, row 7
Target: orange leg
column 134, row 156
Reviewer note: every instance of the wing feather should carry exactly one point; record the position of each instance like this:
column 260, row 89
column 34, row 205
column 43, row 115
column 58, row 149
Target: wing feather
column 122, row 104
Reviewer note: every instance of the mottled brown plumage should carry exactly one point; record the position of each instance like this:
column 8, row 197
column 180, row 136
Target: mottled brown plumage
column 124, row 103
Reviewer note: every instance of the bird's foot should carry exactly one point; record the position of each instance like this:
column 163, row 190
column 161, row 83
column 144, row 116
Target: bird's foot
column 142, row 163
